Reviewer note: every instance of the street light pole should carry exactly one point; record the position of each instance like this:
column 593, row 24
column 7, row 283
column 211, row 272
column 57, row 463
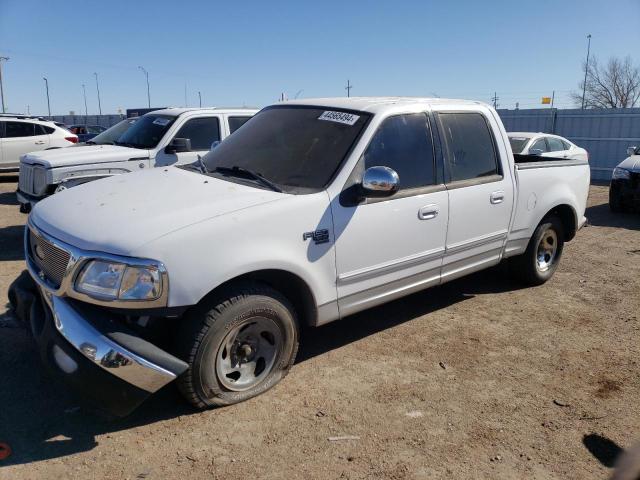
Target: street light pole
column 98, row 89
column 6, row 59
column 586, row 69
column 46, row 83
column 200, row 98
column 146, row 74
column 84, row 94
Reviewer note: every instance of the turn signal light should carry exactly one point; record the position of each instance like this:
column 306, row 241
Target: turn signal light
column 73, row 139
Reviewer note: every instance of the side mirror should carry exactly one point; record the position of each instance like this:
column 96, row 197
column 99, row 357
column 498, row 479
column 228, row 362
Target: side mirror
column 178, row 145
column 379, row 182
column 631, row 150
column 536, row 151
column 214, row 144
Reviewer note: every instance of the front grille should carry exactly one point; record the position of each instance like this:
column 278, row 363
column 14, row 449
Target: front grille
column 52, row 260
column 25, row 180
column 39, row 180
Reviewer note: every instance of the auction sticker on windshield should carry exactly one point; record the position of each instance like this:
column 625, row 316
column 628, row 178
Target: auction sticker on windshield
column 339, row 117
column 163, row 122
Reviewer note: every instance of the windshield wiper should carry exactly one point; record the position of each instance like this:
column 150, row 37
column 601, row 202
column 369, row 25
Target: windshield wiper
column 125, row 144
column 246, row 172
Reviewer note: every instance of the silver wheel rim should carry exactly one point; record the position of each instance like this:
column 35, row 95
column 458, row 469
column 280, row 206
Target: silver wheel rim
column 247, row 353
column 547, row 250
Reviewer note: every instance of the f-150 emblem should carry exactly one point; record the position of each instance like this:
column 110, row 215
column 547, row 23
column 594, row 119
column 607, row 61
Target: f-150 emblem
column 319, row 236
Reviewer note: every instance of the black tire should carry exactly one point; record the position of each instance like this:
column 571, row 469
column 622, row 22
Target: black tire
column 615, row 202
column 528, row 267
column 204, row 336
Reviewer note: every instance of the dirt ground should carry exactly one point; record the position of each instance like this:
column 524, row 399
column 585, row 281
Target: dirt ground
column 475, row 379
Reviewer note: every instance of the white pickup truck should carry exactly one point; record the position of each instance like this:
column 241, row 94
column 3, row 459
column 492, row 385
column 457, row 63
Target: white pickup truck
column 159, row 138
column 314, row 210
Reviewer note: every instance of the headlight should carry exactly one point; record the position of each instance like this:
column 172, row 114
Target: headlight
column 112, row 280
column 620, row 174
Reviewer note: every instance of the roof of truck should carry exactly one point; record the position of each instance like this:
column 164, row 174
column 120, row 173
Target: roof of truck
column 180, row 110
column 375, row 104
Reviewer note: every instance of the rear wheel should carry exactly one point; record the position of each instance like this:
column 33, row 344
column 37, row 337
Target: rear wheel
column 539, row 262
column 237, row 345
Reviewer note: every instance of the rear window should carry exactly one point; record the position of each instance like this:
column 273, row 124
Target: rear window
column 470, row 146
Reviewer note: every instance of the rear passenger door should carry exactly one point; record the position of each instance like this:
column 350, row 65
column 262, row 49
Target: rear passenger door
column 386, row 247
column 480, row 192
column 556, row 148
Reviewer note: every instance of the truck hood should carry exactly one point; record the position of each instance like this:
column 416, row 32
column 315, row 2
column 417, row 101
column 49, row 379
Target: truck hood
column 84, row 155
column 631, row 163
column 121, row 213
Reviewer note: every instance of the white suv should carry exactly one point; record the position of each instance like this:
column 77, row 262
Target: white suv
column 22, row 134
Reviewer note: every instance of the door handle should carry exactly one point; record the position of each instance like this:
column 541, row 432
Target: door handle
column 496, row 197
column 428, row 212
column 39, row 142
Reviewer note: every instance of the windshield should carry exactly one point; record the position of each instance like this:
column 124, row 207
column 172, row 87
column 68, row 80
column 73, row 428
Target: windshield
column 112, row 134
column 518, row 143
column 147, row 131
column 297, row 148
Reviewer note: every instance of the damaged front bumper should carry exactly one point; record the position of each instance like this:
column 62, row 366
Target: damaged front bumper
column 110, row 365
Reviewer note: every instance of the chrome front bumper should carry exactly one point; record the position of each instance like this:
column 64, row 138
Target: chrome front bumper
column 98, row 347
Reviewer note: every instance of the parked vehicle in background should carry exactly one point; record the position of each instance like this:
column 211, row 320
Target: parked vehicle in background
column 86, row 132
column 22, row 134
column 157, row 139
column 313, row 211
column 545, row 145
column 624, row 191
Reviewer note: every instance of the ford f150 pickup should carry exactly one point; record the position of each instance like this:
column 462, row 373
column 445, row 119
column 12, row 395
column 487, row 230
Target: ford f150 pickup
column 314, row 210
column 159, row 138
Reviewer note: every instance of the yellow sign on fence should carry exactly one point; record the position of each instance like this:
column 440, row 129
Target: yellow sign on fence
column 546, row 100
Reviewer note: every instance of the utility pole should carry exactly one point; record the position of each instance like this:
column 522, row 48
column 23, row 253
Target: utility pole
column 146, row 74
column 495, row 99
column 553, row 98
column 84, row 94
column 46, row 83
column 200, row 99
column 348, row 88
column 586, row 70
column 6, row 59
column 98, row 90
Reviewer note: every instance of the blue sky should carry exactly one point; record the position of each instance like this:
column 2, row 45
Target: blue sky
column 248, row 53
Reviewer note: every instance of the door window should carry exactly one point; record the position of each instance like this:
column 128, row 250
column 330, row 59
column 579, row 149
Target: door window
column 540, row 144
column 404, row 143
column 236, row 122
column 19, row 129
column 470, row 146
column 201, row 131
column 555, row 145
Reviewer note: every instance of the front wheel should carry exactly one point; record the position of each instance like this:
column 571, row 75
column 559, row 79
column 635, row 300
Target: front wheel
column 539, row 262
column 237, row 346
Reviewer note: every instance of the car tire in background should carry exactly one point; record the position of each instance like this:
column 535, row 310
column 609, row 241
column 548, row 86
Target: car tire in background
column 542, row 256
column 238, row 344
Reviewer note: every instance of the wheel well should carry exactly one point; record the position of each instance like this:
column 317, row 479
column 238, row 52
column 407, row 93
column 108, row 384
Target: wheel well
column 567, row 216
column 290, row 285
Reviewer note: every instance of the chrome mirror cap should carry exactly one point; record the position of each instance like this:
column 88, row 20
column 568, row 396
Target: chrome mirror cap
column 380, row 182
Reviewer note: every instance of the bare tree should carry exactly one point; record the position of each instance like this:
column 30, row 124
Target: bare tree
column 615, row 86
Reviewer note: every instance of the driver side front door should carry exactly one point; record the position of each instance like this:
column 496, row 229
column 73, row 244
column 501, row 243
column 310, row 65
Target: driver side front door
column 202, row 131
